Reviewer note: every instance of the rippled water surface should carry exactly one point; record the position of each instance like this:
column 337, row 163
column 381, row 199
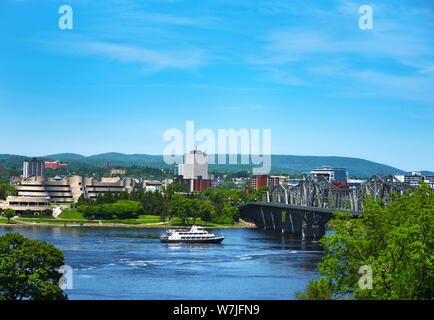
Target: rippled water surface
column 131, row 263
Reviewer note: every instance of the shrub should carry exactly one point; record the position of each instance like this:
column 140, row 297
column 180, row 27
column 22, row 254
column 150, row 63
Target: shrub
column 122, row 209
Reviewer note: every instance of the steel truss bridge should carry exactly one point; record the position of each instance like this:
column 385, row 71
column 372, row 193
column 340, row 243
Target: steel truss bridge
column 303, row 210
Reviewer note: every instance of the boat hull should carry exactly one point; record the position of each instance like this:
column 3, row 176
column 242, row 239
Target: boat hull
column 213, row 240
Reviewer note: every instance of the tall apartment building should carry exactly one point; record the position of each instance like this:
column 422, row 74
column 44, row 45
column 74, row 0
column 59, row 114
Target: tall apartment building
column 195, row 165
column 194, row 171
column 34, row 168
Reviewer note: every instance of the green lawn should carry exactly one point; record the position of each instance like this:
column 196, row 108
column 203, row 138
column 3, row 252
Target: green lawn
column 142, row 219
column 125, row 221
column 35, row 216
column 71, row 214
column 41, row 220
column 148, row 216
column 74, row 216
column 5, row 220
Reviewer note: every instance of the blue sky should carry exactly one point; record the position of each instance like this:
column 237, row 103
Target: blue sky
column 129, row 70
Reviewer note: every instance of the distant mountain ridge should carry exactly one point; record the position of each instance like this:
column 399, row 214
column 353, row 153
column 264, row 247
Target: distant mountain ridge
column 280, row 163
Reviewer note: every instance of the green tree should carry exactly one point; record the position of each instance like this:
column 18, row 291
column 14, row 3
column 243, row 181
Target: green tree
column 255, row 195
column 7, row 190
column 178, row 207
column 124, row 195
column 394, row 239
column 9, row 214
column 164, row 210
column 173, row 188
column 206, row 211
column 194, row 208
column 122, row 209
column 229, row 215
column 219, row 203
column 99, row 199
column 108, row 197
column 29, row 269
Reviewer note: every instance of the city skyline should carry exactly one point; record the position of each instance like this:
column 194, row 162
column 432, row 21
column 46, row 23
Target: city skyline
column 122, row 77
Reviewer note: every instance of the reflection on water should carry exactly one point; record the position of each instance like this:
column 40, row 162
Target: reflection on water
column 198, row 246
column 131, row 263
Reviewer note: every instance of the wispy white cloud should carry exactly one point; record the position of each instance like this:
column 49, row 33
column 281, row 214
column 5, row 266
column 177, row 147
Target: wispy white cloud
column 155, row 60
column 165, row 18
column 282, row 76
column 149, row 59
column 294, row 45
column 395, row 59
column 185, row 85
column 416, row 88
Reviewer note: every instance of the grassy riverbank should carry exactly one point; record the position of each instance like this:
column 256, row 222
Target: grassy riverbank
column 71, row 217
column 5, row 221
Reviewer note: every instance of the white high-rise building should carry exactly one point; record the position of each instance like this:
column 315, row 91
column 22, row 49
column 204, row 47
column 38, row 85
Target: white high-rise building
column 195, row 165
column 33, row 167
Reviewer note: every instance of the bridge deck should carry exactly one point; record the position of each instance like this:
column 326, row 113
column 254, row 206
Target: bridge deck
column 296, row 207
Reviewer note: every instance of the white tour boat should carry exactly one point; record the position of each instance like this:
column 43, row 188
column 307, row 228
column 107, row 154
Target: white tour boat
column 195, row 234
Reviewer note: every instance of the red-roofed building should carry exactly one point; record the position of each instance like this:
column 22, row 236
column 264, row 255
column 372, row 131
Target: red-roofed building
column 55, row 165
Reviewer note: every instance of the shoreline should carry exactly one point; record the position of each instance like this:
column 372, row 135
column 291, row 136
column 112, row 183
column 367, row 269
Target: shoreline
column 243, row 225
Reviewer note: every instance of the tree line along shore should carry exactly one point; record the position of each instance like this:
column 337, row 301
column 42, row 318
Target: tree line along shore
column 173, row 206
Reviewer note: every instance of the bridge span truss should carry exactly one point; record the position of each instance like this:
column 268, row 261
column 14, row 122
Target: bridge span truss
column 303, row 210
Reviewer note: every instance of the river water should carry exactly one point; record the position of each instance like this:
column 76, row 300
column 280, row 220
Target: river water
column 131, row 263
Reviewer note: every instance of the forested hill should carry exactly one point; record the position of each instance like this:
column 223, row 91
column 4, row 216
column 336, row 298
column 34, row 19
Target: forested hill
column 279, row 163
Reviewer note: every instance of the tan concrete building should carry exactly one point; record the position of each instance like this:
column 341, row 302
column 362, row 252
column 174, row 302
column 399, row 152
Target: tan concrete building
column 70, row 188
column 22, row 204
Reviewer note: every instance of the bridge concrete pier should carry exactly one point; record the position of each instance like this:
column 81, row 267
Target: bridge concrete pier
column 279, row 224
column 260, row 218
column 301, row 222
column 311, row 232
column 276, row 218
column 269, row 219
column 293, row 224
